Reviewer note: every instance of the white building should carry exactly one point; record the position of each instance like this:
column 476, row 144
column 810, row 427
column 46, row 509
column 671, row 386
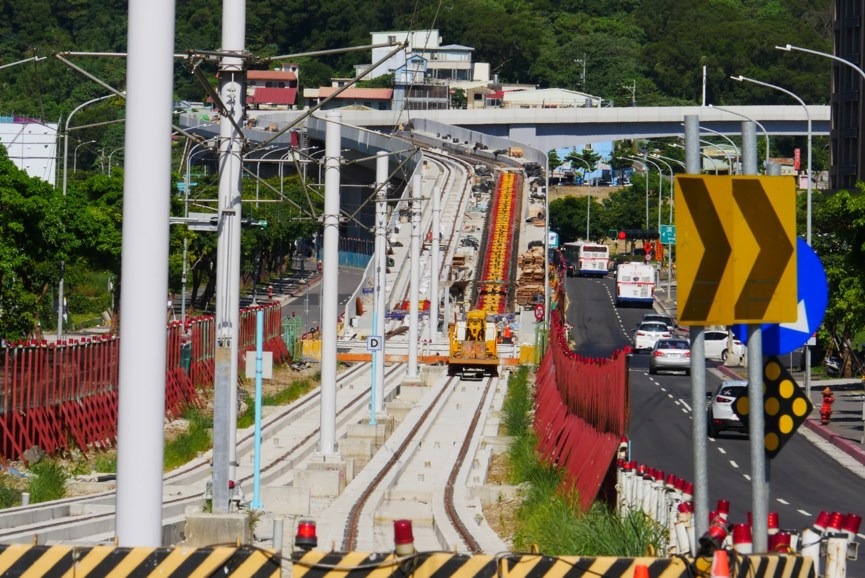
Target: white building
column 31, row 145
column 548, row 98
column 445, row 63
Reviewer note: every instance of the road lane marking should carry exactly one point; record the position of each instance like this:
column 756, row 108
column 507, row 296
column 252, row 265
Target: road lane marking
column 685, row 404
column 804, row 513
column 734, row 464
column 722, row 450
column 782, row 501
column 747, row 477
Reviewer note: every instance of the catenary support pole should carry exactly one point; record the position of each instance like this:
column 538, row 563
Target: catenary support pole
column 414, row 282
column 436, row 264
column 330, row 282
column 698, row 364
column 381, row 179
column 259, row 354
column 227, row 311
column 144, row 259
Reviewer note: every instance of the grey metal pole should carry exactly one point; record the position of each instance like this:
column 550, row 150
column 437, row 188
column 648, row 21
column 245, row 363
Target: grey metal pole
column 227, row 313
column 756, row 419
column 330, row 282
column 546, row 248
column 698, row 364
column 414, row 282
column 749, row 148
column 436, row 265
column 757, row 426
column 381, row 178
column 141, row 409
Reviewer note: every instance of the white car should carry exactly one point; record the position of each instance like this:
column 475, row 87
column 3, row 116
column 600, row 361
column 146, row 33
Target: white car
column 721, row 416
column 648, row 333
column 716, row 346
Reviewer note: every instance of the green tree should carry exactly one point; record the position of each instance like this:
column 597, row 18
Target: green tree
column 33, row 242
column 839, row 238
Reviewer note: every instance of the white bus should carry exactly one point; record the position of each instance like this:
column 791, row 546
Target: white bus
column 587, row 259
column 635, row 283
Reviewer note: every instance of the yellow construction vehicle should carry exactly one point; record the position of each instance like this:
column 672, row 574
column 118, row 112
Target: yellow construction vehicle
column 473, row 350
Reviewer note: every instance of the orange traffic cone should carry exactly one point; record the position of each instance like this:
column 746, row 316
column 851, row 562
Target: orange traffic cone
column 720, row 564
column 641, row 571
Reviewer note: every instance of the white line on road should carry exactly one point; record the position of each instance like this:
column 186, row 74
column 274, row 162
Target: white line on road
column 804, row 513
column 722, row 450
column 734, row 464
column 747, row 477
column 782, row 501
column 685, row 404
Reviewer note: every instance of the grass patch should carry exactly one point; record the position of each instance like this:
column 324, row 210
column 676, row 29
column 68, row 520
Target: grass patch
column 550, row 517
column 189, row 444
column 285, row 396
column 10, row 496
column 47, row 482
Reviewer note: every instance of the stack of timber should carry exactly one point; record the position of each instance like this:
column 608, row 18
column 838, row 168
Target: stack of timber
column 530, row 281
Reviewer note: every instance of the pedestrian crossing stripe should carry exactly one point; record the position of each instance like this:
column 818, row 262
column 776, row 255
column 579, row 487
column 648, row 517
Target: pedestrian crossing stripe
column 98, row 561
column 442, row 564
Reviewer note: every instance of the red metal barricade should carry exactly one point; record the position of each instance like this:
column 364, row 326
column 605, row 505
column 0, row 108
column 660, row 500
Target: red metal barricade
column 581, row 411
column 54, row 395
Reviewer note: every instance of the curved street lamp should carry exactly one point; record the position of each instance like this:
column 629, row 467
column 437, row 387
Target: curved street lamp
column 672, row 177
column 60, row 297
column 186, row 185
column 647, row 171
column 588, row 198
column 75, row 155
column 741, row 78
column 734, row 169
column 756, row 122
column 109, row 158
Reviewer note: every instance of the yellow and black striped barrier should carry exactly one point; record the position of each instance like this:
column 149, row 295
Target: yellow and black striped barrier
column 428, row 565
column 96, row 561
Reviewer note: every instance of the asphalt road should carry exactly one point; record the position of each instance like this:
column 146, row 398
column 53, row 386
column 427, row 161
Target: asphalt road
column 804, row 478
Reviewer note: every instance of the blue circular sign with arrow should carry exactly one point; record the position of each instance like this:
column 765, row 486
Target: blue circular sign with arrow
column 813, row 289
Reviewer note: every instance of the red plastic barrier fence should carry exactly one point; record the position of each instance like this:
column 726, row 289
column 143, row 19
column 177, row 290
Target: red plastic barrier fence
column 581, row 411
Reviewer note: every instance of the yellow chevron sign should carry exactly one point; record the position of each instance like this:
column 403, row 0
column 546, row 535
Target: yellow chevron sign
column 736, row 249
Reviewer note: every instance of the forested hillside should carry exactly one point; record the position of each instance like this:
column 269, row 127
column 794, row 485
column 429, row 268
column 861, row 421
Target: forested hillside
column 651, row 50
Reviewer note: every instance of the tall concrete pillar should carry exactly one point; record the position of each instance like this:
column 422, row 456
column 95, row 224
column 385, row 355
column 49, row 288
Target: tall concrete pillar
column 330, row 282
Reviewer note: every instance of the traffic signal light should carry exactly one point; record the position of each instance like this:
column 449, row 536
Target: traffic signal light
column 639, row 234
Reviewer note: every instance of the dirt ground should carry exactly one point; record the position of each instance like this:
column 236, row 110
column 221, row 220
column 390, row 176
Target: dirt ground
column 501, row 515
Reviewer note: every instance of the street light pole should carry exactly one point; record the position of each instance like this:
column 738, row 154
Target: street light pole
column 109, row 158
column 741, row 78
column 186, row 185
column 670, row 252
column 660, row 190
column 647, row 171
column 729, row 140
column 765, row 132
column 588, row 198
column 60, row 298
column 702, row 154
column 790, row 47
column 75, row 155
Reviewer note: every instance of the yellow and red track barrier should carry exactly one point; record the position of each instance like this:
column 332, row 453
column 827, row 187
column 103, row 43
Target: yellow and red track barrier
column 495, row 278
